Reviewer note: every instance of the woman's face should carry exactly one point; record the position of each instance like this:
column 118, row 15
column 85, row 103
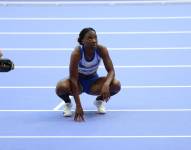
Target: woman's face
column 90, row 39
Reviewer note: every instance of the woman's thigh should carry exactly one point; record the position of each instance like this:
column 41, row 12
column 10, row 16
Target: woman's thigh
column 64, row 87
column 98, row 84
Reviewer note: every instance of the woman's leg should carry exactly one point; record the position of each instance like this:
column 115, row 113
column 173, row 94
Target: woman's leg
column 64, row 90
column 95, row 89
column 98, row 84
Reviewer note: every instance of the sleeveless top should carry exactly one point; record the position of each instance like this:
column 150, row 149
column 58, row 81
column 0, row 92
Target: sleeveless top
column 87, row 67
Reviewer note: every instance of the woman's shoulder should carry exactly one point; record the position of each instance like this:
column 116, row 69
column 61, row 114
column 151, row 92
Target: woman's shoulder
column 102, row 49
column 76, row 52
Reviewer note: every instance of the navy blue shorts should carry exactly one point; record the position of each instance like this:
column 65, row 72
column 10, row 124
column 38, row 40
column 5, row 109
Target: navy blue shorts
column 87, row 81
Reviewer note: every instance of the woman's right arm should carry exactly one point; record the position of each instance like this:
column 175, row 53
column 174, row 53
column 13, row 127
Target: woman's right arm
column 74, row 60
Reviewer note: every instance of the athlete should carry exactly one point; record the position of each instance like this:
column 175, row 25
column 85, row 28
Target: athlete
column 83, row 77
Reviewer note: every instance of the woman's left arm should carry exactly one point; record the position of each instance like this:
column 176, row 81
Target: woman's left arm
column 110, row 72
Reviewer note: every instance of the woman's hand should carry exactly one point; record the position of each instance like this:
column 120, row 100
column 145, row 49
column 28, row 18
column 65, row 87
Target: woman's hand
column 79, row 114
column 105, row 93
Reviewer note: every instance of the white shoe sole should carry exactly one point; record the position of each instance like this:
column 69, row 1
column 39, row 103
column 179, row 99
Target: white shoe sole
column 68, row 115
column 101, row 112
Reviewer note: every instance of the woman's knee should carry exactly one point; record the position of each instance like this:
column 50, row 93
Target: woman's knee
column 116, row 86
column 62, row 87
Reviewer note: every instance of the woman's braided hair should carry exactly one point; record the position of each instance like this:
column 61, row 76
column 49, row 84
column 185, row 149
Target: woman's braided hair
column 83, row 33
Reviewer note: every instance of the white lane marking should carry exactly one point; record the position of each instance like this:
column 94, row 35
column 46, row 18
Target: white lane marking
column 108, row 110
column 123, row 87
column 91, row 19
column 109, row 48
column 116, row 66
column 96, row 137
column 8, row 2
column 99, row 33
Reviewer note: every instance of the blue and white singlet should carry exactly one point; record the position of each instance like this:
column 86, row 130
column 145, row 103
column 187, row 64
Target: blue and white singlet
column 88, row 67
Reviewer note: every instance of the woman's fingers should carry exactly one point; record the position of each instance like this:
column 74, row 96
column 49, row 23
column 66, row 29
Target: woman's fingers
column 106, row 96
column 79, row 117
